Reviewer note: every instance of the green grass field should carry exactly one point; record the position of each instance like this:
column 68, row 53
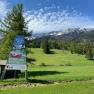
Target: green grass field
column 62, row 67
column 65, row 73
column 63, row 88
column 59, row 57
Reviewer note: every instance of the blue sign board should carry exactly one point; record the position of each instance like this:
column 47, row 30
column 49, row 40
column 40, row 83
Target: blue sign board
column 19, row 42
column 17, row 57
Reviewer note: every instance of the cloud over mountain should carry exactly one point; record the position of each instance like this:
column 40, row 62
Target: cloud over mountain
column 52, row 18
column 44, row 20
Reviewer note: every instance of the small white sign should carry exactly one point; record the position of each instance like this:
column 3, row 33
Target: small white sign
column 15, row 67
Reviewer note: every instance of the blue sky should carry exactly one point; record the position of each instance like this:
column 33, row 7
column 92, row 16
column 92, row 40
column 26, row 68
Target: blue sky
column 54, row 15
column 84, row 6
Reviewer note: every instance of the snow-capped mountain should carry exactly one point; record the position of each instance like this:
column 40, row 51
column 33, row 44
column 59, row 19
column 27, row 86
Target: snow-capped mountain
column 70, row 31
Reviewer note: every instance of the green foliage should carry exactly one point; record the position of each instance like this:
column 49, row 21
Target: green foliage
column 89, row 50
column 33, row 44
column 6, row 45
column 76, row 48
column 79, row 47
column 45, row 46
column 58, row 44
column 14, row 21
column 14, row 24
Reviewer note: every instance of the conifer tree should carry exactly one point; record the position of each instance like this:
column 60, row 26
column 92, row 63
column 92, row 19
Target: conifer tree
column 13, row 24
column 45, row 46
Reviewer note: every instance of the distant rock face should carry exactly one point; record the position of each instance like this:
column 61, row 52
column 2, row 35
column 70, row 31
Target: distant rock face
column 56, row 33
column 69, row 34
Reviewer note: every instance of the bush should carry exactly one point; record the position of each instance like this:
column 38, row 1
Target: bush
column 68, row 64
column 42, row 64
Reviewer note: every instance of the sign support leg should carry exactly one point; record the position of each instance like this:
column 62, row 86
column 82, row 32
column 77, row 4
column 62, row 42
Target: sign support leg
column 26, row 75
column 3, row 74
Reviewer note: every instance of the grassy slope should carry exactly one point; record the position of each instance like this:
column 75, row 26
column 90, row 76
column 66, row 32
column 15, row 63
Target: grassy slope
column 64, row 88
column 81, row 69
column 60, row 57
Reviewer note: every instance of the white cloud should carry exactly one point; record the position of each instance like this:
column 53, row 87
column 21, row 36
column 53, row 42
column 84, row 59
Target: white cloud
column 45, row 21
column 3, row 8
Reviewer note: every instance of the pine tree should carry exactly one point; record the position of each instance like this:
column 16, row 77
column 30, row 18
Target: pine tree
column 89, row 50
column 45, row 46
column 13, row 24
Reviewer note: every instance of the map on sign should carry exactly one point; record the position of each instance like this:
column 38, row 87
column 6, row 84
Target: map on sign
column 19, row 42
column 17, row 57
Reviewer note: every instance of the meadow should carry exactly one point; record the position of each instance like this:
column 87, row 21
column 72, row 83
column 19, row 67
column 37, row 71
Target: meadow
column 62, row 88
column 58, row 57
column 62, row 65
column 73, row 74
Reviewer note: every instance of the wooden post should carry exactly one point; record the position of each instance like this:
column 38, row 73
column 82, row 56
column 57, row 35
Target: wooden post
column 15, row 75
column 26, row 71
column 26, row 75
column 2, row 68
column 2, row 71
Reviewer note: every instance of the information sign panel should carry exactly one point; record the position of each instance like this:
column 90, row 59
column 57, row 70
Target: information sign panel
column 17, row 57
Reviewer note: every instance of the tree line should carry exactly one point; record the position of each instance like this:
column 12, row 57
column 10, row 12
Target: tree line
column 85, row 47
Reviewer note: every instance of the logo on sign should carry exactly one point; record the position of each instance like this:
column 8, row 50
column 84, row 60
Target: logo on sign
column 19, row 42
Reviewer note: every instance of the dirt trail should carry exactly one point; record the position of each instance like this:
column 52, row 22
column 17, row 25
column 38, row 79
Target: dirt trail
column 30, row 85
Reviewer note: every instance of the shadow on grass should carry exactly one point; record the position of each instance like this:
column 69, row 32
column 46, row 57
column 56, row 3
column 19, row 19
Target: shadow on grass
column 43, row 73
column 45, row 65
column 40, row 81
column 52, row 52
column 30, row 59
